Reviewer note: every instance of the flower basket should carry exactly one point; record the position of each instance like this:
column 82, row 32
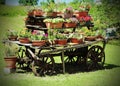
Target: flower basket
column 61, row 41
column 51, row 14
column 13, row 38
column 38, row 43
column 81, row 14
column 81, row 41
column 24, row 40
column 90, row 38
column 58, row 25
column 10, row 62
column 49, row 24
column 35, row 12
column 70, row 24
column 74, row 40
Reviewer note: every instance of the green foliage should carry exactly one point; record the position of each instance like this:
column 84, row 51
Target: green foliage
column 48, row 20
column 38, row 37
column 74, row 20
column 12, row 33
column 25, row 33
column 57, row 20
column 11, row 49
column 106, row 13
column 12, row 10
column 48, row 7
column 2, row 1
column 28, row 2
column 60, row 36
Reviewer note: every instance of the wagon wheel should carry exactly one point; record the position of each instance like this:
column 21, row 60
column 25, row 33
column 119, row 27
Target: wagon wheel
column 70, row 56
column 81, row 55
column 23, row 60
column 95, row 57
column 43, row 66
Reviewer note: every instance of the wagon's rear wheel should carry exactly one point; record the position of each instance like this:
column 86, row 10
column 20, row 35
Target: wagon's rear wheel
column 95, row 57
column 43, row 66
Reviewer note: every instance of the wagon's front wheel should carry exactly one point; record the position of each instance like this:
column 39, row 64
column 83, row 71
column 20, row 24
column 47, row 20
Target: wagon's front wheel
column 95, row 57
column 43, row 66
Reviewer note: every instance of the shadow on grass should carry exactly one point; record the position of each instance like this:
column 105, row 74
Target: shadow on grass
column 76, row 68
column 110, row 66
column 72, row 68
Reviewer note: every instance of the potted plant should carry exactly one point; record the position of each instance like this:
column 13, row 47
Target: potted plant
column 68, row 13
column 82, row 10
column 24, row 36
column 35, row 12
column 38, row 40
column 48, row 22
column 71, row 22
column 54, row 23
column 10, row 55
column 57, row 22
column 90, row 36
column 76, row 38
column 50, row 10
column 61, row 39
column 12, row 35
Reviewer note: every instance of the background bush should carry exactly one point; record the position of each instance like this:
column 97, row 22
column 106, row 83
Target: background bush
column 12, row 10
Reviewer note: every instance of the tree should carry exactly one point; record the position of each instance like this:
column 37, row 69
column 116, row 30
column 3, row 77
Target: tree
column 28, row 2
column 2, row 1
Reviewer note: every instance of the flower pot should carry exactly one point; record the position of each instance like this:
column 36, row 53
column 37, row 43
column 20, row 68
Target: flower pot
column 90, row 38
column 58, row 25
column 24, row 40
column 80, row 14
column 74, row 40
column 70, row 25
column 100, row 37
column 49, row 24
column 10, row 62
column 61, row 41
column 38, row 43
column 51, row 14
column 81, row 41
column 35, row 12
column 13, row 38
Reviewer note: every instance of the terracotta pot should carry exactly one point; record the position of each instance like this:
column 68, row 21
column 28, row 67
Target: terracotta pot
column 74, row 40
column 49, row 24
column 68, row 25
column 100, row 36
column 80, row 14
column 24, row 40
column 35, row 12
column 10, row 62
column 58, row 25
column 61, row 41
column 51, row 14
column 13, row 38
column 90, row 38
column 38, row 43
column 81, row 41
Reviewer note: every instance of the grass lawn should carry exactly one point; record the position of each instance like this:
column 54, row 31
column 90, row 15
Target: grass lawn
column 107, row 77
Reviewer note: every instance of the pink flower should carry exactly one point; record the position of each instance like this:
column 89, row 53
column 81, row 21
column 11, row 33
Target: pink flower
column 34, row 32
